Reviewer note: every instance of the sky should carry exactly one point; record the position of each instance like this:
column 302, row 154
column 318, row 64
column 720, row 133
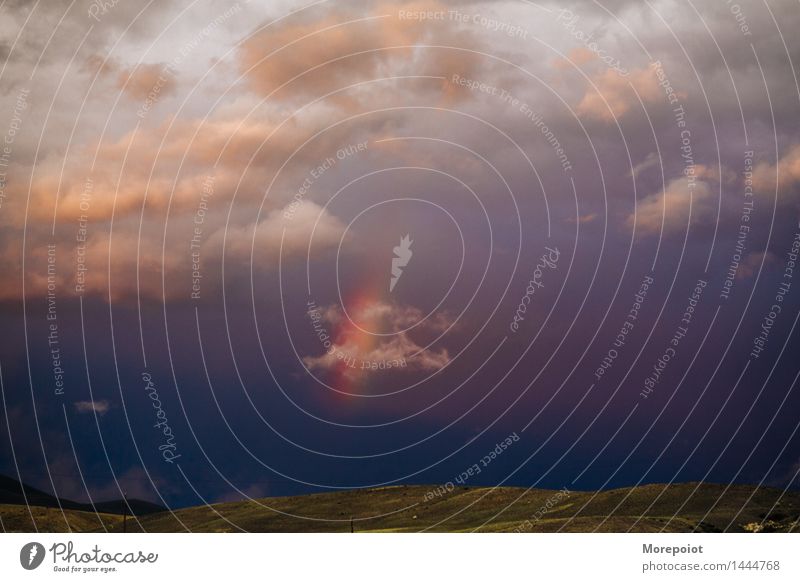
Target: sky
column 260, row 248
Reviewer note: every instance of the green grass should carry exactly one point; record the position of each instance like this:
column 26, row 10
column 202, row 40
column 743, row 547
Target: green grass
column 19, row 518
column 650, row 508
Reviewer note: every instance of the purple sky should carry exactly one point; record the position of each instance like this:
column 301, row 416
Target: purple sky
column 590, row 211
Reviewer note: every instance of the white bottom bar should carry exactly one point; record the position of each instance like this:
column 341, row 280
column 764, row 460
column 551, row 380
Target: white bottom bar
column 405, row 557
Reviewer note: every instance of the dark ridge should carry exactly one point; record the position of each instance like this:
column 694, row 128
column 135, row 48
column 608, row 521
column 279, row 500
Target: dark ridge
column 12, row 492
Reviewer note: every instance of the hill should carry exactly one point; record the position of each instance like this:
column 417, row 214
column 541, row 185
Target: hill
column 12, row 492
column 19, row 518
column 681, row 507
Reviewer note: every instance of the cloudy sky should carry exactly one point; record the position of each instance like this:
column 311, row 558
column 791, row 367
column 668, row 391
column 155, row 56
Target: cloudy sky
column 266, row 248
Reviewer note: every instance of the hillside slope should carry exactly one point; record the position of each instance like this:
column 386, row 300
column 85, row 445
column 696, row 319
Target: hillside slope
column 12, row 492
column 650, row 508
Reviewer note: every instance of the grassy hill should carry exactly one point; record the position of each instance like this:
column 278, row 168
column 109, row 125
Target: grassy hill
column 19, row 518
column 12, row 492
column 650, row 508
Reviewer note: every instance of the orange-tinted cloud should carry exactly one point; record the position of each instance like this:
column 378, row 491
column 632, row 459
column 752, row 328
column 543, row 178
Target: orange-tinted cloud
column 168, row 164
column 137, row 82
column 309, row 226
column 752, row 262
column 676, row 206
column 575, row 58
column 317, row 56
column 352, row 343
column 612, row 95
column 787, row 173
column 583, row 218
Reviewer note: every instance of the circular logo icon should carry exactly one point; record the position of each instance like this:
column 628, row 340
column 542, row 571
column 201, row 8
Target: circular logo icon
column 31, row 555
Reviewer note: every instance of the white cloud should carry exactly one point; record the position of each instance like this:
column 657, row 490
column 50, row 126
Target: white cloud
column 674, row 205
column 98, row 406
column 306, row 223
column 396, row 351
column 650, row 161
